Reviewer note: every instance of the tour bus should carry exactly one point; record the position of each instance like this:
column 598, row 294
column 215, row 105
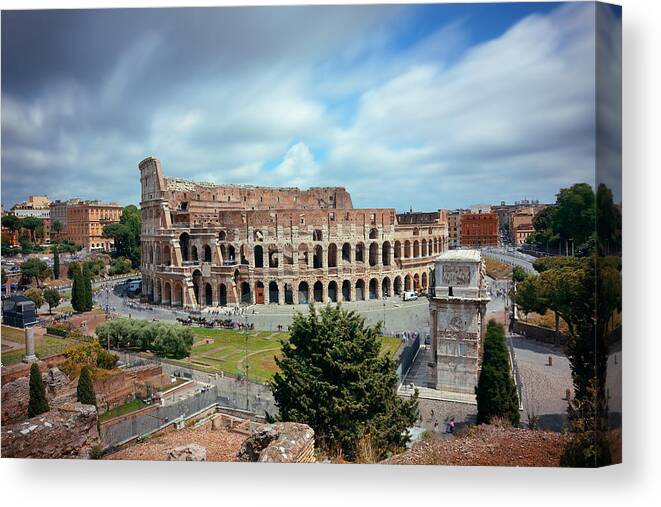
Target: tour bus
column 410, row 296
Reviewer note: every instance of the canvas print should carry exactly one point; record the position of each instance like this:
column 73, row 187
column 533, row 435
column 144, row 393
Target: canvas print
column 376, row 234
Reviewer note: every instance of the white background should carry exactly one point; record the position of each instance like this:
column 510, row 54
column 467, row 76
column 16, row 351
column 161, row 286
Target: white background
column 636, row 482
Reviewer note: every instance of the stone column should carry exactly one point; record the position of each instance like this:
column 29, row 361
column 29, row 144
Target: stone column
column 281, row 293
column 30, row 356
column 324, row 293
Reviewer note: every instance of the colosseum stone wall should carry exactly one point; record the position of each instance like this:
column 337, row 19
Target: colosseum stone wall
column 207, row 245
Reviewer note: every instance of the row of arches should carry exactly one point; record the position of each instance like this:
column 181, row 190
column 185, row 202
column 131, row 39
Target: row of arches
column 306, row 255
column 273, row 292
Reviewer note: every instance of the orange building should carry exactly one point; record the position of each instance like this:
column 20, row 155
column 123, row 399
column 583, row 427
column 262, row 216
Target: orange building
column 85, row 223
column 479, row 229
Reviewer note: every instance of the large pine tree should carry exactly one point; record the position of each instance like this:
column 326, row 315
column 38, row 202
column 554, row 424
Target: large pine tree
column 38, row 403
column 85, row 391
column 334, row 378
column 87, row 277
column 496, row 392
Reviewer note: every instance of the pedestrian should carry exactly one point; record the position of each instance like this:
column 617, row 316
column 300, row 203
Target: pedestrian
column 451, row 425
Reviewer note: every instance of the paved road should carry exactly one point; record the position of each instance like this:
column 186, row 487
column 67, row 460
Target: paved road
column 514, row 259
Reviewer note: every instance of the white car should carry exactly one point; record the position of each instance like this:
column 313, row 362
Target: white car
column 410, row 296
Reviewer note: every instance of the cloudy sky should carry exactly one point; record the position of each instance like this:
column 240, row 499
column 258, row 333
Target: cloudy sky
column 406, row 106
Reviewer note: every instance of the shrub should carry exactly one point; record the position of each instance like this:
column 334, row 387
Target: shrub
column 106, row 360
column 58, row 330
column 38, row 403
column 96, row 452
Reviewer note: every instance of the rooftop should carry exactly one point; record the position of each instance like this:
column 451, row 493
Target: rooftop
column 460, row 256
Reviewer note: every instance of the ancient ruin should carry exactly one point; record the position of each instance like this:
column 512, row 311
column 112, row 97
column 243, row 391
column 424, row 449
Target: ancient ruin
column 458, row 305
column 206, row 245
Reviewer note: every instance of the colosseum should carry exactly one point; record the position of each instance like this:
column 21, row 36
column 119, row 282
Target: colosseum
column 206, row 245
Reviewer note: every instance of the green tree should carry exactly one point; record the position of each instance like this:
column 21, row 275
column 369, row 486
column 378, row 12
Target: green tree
column 126, row 234
column 38, row 403
column 35, row 269
column 36, row 296
column 165, row 340
column 496, row 392
column 526, row 298
column 57, row 226
column 88, row 302
column 32, row 224
column 78, row 291
column 56, row 262
column 52, row 297
column 12, row 222
column 575, row 215
column 85, row 390
column 519, row 274
column 333, row 378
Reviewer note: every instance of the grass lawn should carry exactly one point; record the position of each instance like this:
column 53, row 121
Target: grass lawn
column 47, row 346
column 126, row 408
column 227, row 351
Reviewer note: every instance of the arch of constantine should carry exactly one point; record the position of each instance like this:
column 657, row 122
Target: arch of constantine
column 206, row 245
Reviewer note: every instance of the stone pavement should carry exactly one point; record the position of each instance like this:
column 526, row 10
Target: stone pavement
column 543, row 386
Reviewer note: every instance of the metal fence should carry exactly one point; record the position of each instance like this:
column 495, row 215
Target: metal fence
column 232, row 392
column 114, row 434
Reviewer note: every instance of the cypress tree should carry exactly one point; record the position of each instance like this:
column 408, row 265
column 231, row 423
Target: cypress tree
column 496, row 392
column 38, row 403
column 77, row 290
column 87, row 276
column 56, row 263
column 85, row 390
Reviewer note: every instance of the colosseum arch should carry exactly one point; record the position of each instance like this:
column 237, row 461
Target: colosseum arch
column 374, row 233
column 208, row 295
column 318, row 291
column 385, row 287
column 259, row 292
column 244, row 253
column 423, row 248
column 360, row 290
column 373, row 288
column 273, row 256
column 193, row 253
column 222, row 235
column 332, row 255
column 177, row 294
column 374, row 254
column 259, row 256
column 408, row 283
column 360, row 252
column 317, row 235
column 303, row 293
column 166, row 298
column 231, row 254
column 397, row 285
column 398, row 250
column 318, row 258
column 416, row 249
column 385, row 253
column 346, row 290
column 416, row 281
column 246, row 297
column 274, row 293
column 424, row 280
column 184, row 243
column 258, row 235
column 303, row 256
column 207, row 253
column 197, row 285
column 222, row 294
column 289, row 294
column 346, row 253
column 407, row 249
column 288, row 254
column 332, row 291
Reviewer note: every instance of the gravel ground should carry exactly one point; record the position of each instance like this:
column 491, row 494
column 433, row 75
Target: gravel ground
column 487, row 446
column 221, row 445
